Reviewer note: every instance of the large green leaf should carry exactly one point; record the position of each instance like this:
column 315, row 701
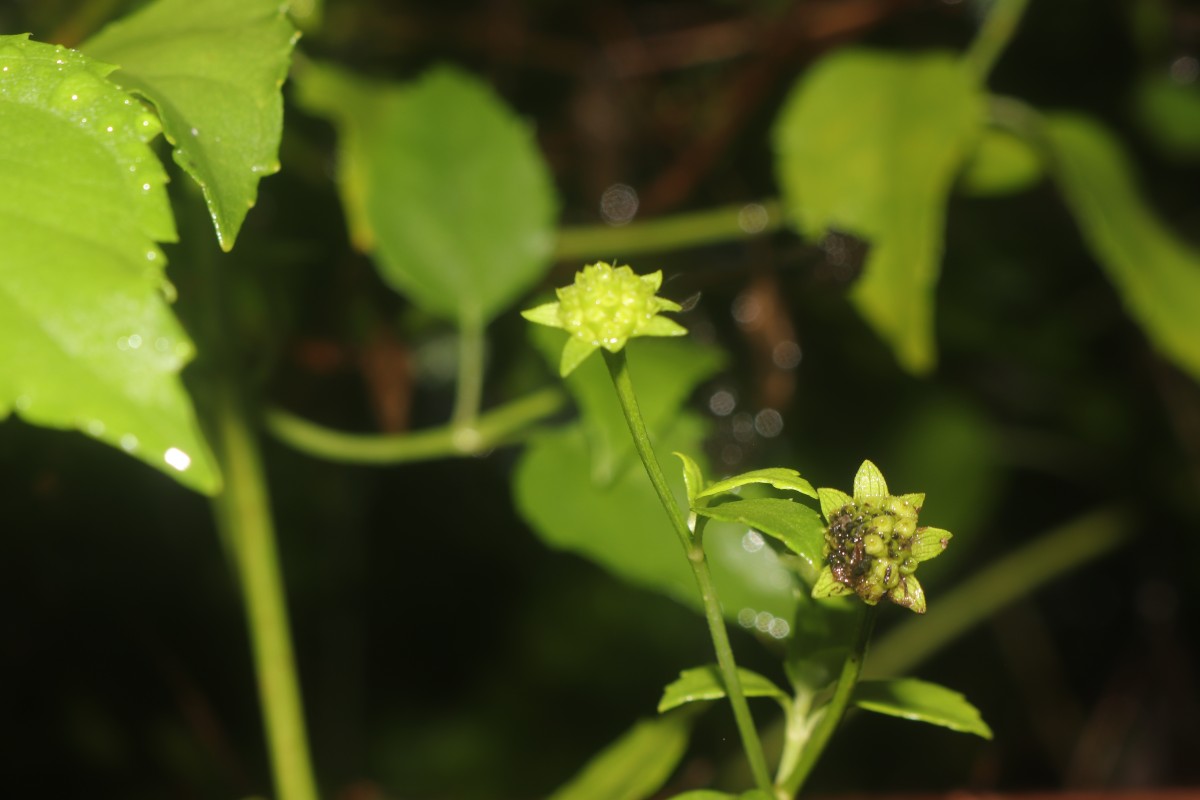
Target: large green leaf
column 621, row 526
column 87, row 338
column 443, row 183
column 213, row 69
column 1157, row 273
column 706, row 683
column 635, row 765
column 869, row 143
column 922, row 701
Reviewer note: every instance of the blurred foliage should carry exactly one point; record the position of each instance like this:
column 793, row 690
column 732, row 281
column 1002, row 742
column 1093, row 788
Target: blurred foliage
column 445, row 651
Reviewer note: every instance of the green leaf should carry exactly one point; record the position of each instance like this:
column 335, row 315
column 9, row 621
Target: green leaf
column 443, row 184
column 869, row 482
column 922, row 701
column 833, row 501
column 869, row 143
column 636, row 765
column 1170, row 114
column 706, row 683
column 621, row 526
column 1003, row 163
column 787, row 480
column 213, row 69
column 693, row 477
column 710, row 794
column 1157, row 273
column 799, row 527
column 87, row 338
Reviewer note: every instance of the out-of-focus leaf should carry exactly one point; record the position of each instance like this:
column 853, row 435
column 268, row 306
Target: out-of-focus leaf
column 1170, row 114
column 710, row 794
column 869, row 143
column 664, row 371
column 1156, row 273
column 797, row 526
column 621, row 526
column 781, row 478
column 922, row 701
column 443, row 184
column 87, row 339
column 213, row 69
column 1003, row 163
column 637, row 764
column 705, row 683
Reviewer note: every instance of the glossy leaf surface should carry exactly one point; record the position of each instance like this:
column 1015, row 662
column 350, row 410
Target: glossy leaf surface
column 443, row 184
column 869, row 143
column 87, row 338
column 213, row 69
column 705, row 683
column 635, row 765
column 1156, row 272
column 922, row 701
column 787, row 480
column 799, row 527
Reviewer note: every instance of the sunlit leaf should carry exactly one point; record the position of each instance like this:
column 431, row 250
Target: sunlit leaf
column 799, row 527
column 869, row 143
column 443, row 184
column 706, row 683
column 922, row 701
column 869, row 482
column 832, row 501
column 635, row 765
column 1156, row 272
column 693, row 476
column 87, row 338
column 781, row 478
column 213, row 69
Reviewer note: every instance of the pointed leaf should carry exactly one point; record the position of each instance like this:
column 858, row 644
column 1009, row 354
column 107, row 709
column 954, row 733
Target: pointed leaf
column 1156, row 272
column 797, row 526
column 443, row 183
column 833, row 501
column 706, row 683
column 787, row 480
column 213, row 69
column 575, row 351
column 545, row 314
column 87, row 340
column 930, row 542
column 634, row 766
column 908, row 593
column 914, row 699
column 869, row 482
column 829, row 586
column 869, row 143
column 693, row 477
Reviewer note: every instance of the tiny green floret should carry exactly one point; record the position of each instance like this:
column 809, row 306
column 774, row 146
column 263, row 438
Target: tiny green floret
column 605, row 307
column 873, row 544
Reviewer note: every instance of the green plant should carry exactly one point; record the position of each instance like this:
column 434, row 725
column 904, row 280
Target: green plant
column 442, row 186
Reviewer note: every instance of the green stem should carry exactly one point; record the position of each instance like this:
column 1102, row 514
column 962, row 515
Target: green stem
column 469, row 388
column 493, row 428
column 835, row 709
column 243, row 513
column 690, row 229
column 994, row 35
column 618, row 368
column 1007, row 579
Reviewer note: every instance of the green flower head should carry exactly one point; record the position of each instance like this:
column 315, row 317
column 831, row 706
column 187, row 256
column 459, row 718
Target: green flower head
column 605, row 307
column 873, row 544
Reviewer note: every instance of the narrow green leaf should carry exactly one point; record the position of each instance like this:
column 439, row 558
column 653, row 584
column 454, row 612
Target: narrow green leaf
column 693, row 477
column 869, row 143
column 1157, row 273
column 636, row 765
column 87, row 338
column 869, row 482
column 1003, row 163
column 787, row 480
column 922, row 701
column 705, row 683
column 213, row 69
column 799, row 527
column 443, row 184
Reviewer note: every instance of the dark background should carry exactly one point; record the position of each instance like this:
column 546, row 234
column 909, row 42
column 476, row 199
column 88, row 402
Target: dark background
column 460, row 658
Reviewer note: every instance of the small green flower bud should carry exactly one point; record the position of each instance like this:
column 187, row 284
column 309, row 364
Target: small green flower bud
column 905, row 527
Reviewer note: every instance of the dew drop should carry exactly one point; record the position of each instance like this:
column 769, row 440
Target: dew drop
column 746, row 617
column 135, row 342
column 151, row 255
column 129, row 443
column 23, row 402
column 177, row 458
column 145, row 187
column 752, row 542
column 95, row 427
